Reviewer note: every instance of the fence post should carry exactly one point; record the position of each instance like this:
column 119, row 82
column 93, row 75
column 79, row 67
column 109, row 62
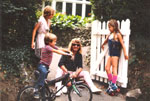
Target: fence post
column 54, row 4
column 93, row 46
column 74, row 9
column 83, row 9
column 125, row 29
column 43, row 4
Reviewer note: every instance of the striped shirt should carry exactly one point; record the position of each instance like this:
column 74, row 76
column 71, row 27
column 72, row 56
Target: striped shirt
column 47, row 54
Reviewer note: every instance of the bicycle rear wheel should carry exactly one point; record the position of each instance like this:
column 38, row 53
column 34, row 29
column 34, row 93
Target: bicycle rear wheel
column 26, row 94
column 85, row 93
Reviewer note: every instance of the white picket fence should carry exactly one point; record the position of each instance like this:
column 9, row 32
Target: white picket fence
column 99, row 57
column 73, row 2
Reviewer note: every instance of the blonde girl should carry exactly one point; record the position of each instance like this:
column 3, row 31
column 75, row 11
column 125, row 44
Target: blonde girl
column 42, row 27
column 115, row 43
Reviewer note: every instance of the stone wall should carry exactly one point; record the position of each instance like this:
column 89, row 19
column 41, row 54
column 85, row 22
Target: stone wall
column 65, row 36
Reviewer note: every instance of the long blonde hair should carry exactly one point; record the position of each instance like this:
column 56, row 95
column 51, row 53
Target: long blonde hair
column 48, row 10
column 75, row 40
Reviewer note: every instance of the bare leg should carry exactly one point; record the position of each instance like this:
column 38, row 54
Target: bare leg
column 114, row 68
column 115, row 65
column 107, row 68
column 108, row 65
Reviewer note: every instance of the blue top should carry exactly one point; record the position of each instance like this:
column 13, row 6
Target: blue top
column 114, row 47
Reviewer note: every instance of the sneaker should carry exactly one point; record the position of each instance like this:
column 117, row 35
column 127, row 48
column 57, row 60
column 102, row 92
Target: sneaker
column 114, row 86
column 96, row 90
column 109, row 86
column 64, row 90
column 36, row 94
column 109, row 83
column 58, row 93
column 109, row 91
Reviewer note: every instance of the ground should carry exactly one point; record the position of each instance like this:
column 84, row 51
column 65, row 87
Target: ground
column 10, row 87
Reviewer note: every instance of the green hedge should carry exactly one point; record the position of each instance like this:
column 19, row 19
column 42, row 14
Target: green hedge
column 63, row 21
column 13, row 58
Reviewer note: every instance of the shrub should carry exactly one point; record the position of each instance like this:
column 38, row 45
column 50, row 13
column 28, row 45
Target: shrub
column 63, row 22
column 13, row 58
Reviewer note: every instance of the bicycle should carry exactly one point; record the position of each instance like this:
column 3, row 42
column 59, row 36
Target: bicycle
column 77, row 91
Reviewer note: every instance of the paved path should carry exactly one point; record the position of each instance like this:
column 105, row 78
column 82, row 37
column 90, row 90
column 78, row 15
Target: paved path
column 96, row 97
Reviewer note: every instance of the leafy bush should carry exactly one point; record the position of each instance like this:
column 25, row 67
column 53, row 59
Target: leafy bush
column 13, row 58
column 38, row 14
column 63, row 21
column 18, row 22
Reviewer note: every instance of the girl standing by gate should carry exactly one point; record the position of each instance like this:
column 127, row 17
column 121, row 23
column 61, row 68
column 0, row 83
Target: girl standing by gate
column 115, row 42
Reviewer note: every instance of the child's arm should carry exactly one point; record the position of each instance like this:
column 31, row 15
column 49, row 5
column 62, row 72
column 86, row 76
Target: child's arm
column 106, row 40
column 60, row 52
column 123, row 46
column 33, row 34
column 64, row 50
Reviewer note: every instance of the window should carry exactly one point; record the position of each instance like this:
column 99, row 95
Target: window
column 69, row 8
column 59, row 6
column 78, row 9
column 88, row 11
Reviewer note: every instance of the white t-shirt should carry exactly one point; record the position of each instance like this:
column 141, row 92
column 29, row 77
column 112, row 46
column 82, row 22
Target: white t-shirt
column 43, row 29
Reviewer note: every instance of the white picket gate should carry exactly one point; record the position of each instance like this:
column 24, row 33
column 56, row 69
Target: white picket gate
column 99, row 57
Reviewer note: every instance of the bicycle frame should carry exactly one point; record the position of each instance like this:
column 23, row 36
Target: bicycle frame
column 66, row 76
column 47, row 93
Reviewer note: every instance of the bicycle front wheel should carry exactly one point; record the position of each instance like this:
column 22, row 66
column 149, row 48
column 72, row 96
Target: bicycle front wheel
column 83, row 93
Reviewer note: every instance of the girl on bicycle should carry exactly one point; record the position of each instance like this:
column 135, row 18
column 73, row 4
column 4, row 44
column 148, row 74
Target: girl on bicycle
column 73, row 65
column 115, row 42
